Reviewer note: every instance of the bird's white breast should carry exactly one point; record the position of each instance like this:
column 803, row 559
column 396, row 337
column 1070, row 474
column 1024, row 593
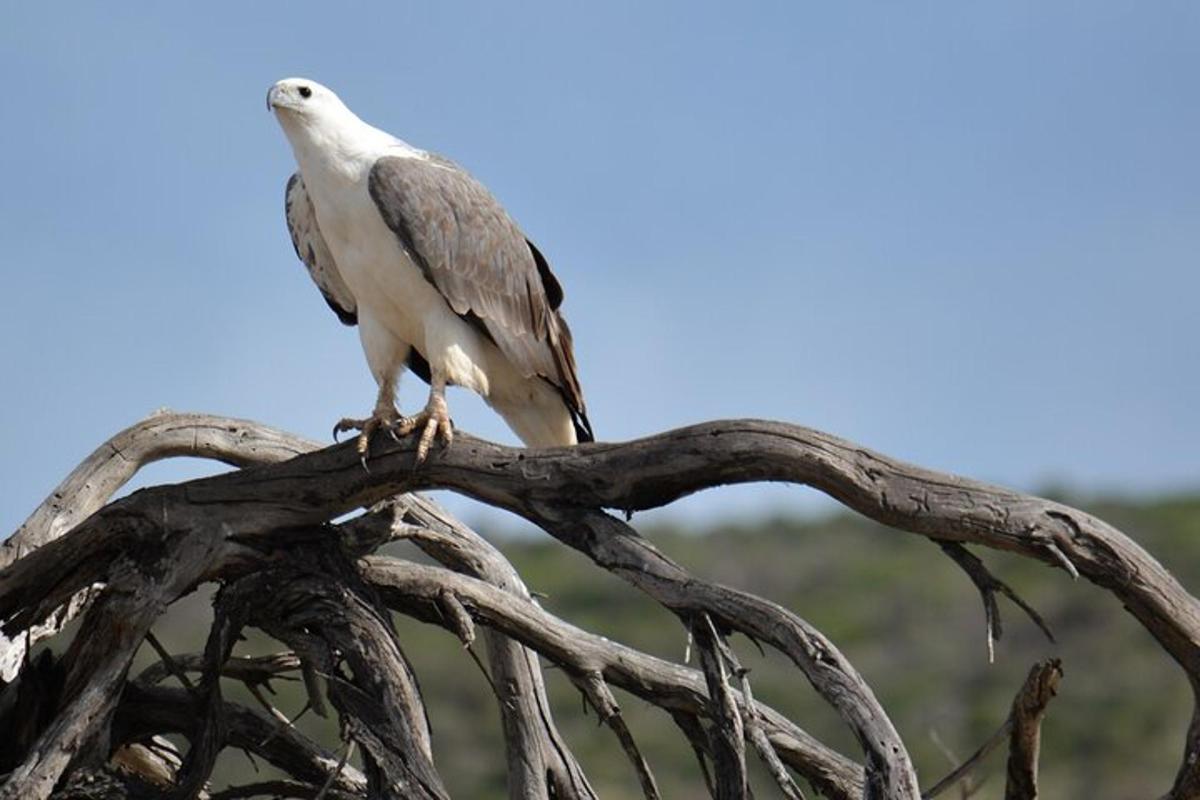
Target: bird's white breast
column 387, row 285
column 376, row 268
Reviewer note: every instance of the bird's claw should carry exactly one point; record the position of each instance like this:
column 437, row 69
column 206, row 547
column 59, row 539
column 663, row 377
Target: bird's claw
column 389, row 421
column 347, row 424
column 433, row 422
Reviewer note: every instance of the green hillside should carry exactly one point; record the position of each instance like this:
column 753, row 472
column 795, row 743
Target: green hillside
column 902, row 612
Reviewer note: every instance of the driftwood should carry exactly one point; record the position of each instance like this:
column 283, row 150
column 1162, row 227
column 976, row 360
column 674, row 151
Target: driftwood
column 80, row 725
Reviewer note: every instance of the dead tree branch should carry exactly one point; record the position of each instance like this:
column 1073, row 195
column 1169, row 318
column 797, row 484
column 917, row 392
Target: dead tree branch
column 1022, row 728
column 413, row 589
column 264, row 533
column 988, row 585
column 1025, row 739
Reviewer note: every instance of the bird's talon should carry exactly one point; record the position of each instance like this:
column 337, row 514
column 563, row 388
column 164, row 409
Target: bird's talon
column 379, row 419
column 427, row 434
column 346, row 424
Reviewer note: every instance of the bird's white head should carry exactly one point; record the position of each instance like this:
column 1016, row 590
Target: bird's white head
column 302, row 101
column 322, row 129
column 313, row 117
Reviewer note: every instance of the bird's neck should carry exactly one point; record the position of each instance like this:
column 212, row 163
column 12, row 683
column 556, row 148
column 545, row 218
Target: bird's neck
column 343, row 150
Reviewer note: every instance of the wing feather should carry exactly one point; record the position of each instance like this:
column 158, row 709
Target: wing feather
column 314, row 252
column 468, row 247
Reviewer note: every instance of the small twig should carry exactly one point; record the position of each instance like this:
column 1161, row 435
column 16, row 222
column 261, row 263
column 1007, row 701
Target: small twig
column 1023, row 728
column 169, row 662
column 964, row 769
column 988, row 585
column 969, row 786
column 1062, row 559
column 456, row 614
column 484, row 670
column 601, row 697
column 770, row 758
column 341, row 765
column 251, row 759
column 727, row 731
column 754, row 732
column 275, row 789
column 693, row 730
column 247, row 669
column 285, row 724
column 256, row 693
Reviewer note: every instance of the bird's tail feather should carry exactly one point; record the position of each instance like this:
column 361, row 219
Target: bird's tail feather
column 544, row 423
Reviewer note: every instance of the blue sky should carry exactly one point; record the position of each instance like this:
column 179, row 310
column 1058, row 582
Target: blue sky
column 966, row 234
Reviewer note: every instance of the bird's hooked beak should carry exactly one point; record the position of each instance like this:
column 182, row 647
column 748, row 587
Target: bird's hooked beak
column 271, row 94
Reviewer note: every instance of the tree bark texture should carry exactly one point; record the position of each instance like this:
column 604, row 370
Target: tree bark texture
column 268, row 535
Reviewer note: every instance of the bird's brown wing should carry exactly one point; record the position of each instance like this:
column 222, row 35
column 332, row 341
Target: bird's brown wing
column 314, row 252
column 469, row 248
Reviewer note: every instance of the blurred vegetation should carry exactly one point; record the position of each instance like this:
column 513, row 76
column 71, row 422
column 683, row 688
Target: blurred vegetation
column 901, row 611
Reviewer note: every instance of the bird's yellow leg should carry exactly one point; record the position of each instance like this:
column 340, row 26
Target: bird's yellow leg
column 433, row 422
column 384, row 417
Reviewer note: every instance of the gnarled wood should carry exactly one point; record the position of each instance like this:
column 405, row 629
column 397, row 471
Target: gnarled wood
column 255, row 528
column 1026, row 735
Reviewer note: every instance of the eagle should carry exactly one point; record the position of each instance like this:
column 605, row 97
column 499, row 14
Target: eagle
column 437, row 276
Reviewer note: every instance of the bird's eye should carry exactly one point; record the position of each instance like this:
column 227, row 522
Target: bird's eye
column 305, row 92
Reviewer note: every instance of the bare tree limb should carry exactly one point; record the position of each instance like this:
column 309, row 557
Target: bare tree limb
column 601, row 697
column 162, row 541
column 616, row 547
column 91, row 484
column 539, row 760
column 1025, row 739
column 163, row 434
column 321, row 609
column 250, row 670
column 278, row 789
column 988, row 584
column 168, row 663
column 144, row 711
column 229, row 617
column 98, row 660
column 694, row 731
column 414, row 589
column 1022, row 728
column 753, row 728
column 726, row 736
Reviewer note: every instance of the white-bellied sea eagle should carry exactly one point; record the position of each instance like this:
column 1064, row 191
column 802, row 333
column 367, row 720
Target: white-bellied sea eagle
column 437, row 276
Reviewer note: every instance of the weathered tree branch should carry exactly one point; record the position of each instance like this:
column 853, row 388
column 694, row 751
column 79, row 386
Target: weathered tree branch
column 90, row 485
column 150, row 548
column 414, row 589
column 988, row 585
column 1026, row 736
column 1022, row 728
column 539, row 760
column 144, row 711
column 250, row 670
column 316, row 603
column 727, row 734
